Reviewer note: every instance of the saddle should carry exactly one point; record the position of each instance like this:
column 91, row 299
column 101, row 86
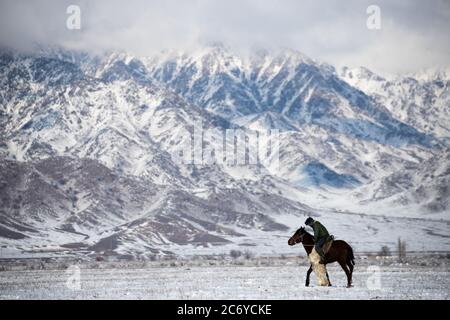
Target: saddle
column 327, row 245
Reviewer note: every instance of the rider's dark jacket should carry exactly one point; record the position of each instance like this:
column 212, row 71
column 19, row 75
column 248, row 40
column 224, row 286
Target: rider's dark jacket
column 320, row 232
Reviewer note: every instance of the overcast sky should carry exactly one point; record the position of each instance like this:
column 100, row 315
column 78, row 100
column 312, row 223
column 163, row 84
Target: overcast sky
column 414, row 34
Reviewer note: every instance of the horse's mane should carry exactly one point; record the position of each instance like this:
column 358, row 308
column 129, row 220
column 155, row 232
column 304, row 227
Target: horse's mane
column 307, row 233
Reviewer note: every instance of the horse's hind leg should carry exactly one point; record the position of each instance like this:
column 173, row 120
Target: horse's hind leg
column 347, row 273
column 351, row 273
column 329, row 282
column 350, row 266
column 308, row 273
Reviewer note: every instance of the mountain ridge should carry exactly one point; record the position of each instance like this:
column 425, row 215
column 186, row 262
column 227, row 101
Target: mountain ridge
column 340, row 147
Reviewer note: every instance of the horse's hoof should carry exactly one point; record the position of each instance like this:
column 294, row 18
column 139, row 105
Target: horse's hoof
column 349, row 286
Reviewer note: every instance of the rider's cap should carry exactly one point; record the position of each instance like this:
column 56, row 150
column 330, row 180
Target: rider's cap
column 309, row 221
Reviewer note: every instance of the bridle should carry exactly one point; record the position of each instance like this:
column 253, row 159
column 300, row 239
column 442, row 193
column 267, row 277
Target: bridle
column 301, row 241
column 301, row 238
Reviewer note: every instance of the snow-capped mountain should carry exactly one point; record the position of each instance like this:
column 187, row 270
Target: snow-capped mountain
column 286, row 83
column 82, row 204
column 425, row 184
column 87, row 144
column 420, row 100
column 325, row 121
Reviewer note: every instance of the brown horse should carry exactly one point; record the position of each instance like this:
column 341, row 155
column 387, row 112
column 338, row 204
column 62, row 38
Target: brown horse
column 339, row 251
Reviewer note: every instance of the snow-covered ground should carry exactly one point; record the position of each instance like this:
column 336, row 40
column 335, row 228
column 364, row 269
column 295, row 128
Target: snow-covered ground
column 283, row 280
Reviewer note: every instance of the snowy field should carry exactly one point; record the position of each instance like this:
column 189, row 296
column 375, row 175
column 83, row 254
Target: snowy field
column 280, row 281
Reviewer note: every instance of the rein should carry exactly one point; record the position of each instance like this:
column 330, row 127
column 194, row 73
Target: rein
column 308, row 245
column 305, row 245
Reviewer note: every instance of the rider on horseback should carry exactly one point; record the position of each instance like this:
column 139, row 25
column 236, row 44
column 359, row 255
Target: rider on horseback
column 321, row 236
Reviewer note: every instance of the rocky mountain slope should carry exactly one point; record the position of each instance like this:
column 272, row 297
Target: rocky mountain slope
column 90, row 148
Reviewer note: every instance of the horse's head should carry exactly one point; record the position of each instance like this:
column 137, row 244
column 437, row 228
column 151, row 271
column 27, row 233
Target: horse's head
column 297, row 237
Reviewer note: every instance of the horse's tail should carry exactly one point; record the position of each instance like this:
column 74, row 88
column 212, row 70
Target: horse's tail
column 351, row 257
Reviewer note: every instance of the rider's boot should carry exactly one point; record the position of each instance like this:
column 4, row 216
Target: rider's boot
column 322, row 256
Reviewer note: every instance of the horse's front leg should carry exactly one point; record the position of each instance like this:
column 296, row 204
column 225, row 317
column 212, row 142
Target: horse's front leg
column 308, row 273
column 329, row 282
